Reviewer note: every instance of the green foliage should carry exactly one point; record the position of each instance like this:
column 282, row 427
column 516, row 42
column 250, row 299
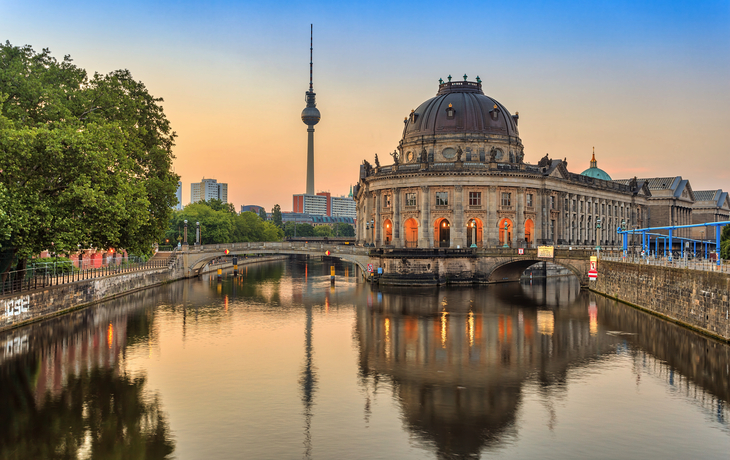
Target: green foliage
column 220, row 226
column 725, row 242
column 217, row 205
column 276, row 216
column 262, row 214
column 322, row 230
column 298, row 230
column 82, row 160
column 342, row 229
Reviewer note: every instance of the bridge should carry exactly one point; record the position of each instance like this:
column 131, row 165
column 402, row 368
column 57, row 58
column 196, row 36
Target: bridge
column 403, row 266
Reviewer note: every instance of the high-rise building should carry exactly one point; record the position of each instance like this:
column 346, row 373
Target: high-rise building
column 178, row 194
column 208, row 189
column 324, row 204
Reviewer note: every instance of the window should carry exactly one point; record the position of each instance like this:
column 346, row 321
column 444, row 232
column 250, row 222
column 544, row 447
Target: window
column 603, row 208
column 552, row 202
column 442, row 198
column 386, row 201
column 475, row 198
column 410, row 199
column 529, row 200
column 552, row 230
column 580, row 206
column 506, row 199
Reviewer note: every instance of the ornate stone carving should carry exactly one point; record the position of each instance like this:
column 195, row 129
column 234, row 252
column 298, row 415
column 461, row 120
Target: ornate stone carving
column 459, row 153
column 544, row 161
column 377, row 163
column 492, row 155
column 396, row 157
column 424, row 155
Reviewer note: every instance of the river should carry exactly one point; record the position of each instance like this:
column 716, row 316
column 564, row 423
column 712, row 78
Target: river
column 277, row 363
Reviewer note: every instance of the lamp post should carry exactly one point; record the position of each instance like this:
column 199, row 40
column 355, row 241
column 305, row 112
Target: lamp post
column 473, row 234
column 624, row 240
column 372, row 227
column 598, row 237
column 185, row 233
column 197, row 233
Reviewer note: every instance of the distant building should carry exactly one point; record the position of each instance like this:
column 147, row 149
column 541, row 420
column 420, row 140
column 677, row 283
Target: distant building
column 314, row 220
column 208, row 189
column 252, row 208
column 324, row 204
column 178, row 194
column 311, row 204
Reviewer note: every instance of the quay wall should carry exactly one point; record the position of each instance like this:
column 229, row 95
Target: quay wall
column 22, row 308
column 694, row 298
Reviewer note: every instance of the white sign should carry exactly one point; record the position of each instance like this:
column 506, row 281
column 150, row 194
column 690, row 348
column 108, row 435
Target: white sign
column 520, row 251
column 370, row 268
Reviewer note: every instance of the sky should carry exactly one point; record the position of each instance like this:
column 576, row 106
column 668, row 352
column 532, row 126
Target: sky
column 645, row 83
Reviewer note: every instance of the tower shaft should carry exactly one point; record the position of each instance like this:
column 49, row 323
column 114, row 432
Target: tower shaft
column 310, row 160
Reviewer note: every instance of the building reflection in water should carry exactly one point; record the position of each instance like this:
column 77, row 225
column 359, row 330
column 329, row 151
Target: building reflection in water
column 66, row 392
column 460, row 358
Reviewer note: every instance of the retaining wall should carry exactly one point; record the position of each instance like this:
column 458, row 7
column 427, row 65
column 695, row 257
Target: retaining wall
column 26, row 307
column 694, row 298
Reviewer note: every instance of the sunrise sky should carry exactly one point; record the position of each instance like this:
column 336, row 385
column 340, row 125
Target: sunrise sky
column 646, row 83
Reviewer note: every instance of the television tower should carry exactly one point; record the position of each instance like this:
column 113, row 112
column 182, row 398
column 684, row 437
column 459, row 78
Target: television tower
column 310, row 117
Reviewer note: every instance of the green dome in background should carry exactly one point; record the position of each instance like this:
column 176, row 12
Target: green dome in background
column 594, row 171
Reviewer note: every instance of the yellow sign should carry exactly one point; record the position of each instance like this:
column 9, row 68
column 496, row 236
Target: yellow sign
column 546, row 252
column 332, row 270
column 594, row 263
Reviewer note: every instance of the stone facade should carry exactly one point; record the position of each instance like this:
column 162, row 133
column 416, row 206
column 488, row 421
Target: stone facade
column 698, row 299
column 458, row 180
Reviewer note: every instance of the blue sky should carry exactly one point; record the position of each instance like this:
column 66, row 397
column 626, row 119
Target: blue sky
column 646, row 83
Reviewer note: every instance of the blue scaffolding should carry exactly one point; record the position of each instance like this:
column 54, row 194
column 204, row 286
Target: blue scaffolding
column 647, row 233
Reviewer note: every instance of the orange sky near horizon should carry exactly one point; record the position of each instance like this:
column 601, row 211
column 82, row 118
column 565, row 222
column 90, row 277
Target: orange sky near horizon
column 653, row 102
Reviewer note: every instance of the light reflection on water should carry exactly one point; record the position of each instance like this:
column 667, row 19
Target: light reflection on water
column 279, row 364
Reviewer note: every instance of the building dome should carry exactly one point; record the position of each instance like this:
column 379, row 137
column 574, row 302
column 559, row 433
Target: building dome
column 594, row 171
column 460, row 114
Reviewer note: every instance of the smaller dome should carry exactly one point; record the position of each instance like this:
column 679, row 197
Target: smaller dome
column 594, row 171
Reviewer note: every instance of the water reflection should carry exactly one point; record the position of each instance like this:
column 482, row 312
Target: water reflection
column 459, row 359
column 66, row 393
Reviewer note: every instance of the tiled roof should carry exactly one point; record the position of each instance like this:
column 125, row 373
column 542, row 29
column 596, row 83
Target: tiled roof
column 705, row 195
column 656, row 183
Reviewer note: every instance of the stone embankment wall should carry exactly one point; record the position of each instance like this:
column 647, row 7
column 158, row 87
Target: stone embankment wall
column 26, row 307
column 694, row 298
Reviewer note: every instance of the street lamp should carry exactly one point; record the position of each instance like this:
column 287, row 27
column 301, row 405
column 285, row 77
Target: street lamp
column 506, row 228
column 473, row 226
column 185, row 238
column 197, row 233
column 598, row 237
column 372, row 226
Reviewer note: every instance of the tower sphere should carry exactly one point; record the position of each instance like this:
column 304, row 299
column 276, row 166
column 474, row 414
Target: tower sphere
column 310, row 116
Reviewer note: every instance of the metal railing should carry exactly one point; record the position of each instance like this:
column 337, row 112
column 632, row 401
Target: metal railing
column 688, row 261
column 45, row 274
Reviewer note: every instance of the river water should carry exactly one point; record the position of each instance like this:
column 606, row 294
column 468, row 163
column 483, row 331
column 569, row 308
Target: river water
column 278, row 364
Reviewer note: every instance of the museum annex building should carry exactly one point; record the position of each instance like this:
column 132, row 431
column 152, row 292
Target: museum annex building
column 458, row 179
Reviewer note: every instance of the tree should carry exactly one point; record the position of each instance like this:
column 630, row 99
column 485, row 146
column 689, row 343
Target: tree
column 322, row 230
column 343, row 230
column 276, row 216
column 83, row 161
column 725, row 242
column 262, row 214
column 218, row 205
column 298, row 230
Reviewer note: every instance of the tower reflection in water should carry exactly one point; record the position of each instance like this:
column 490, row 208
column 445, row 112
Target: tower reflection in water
column 459, row 359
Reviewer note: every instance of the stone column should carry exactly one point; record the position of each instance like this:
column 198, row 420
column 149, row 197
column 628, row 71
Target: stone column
column 492, row 233
column 459, row 236
column 424, row 226
column 539, row 217
column 378, row 223
column 520, row 218
column 397, row 240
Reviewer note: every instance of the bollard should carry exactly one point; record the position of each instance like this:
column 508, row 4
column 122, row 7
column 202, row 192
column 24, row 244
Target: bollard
column 220, row 275
column 332, row 275
column 235, row 265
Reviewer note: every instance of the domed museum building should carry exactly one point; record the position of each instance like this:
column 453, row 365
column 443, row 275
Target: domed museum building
column 459, row 179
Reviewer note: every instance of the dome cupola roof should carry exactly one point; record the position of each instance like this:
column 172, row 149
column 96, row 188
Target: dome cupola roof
column 460, row 107
column 594, row 171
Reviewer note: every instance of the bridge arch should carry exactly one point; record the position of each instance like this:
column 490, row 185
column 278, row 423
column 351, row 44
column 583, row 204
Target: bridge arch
column 511, row 270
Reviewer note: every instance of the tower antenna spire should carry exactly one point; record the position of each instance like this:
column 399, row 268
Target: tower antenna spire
column 311, row 33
